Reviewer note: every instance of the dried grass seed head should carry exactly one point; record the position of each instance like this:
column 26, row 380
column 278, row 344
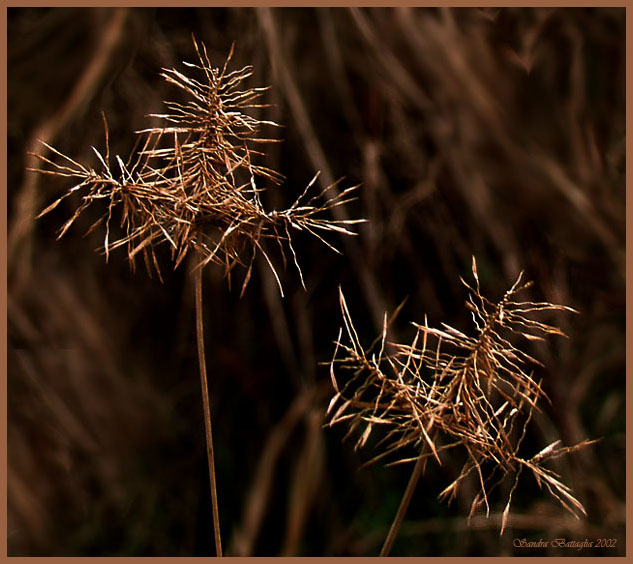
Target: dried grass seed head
column 193, row 182
column 448, row 390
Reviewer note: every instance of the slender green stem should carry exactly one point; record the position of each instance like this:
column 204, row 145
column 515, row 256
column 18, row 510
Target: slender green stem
column 404, row 505
column 207, row 408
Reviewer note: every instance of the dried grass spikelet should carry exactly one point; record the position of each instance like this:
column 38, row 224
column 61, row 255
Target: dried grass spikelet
column 447, row 390
column 191, row 182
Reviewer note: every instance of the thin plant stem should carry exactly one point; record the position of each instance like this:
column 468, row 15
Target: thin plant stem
column 207, row 408
column 404, row 505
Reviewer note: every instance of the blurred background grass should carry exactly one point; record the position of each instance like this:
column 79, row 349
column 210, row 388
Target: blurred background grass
column 496, row 132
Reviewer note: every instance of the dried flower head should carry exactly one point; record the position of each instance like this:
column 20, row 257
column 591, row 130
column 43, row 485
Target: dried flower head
column 447, row 390
column 191, row 183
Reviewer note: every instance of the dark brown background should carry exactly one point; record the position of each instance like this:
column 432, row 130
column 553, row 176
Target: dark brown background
column 494, row 132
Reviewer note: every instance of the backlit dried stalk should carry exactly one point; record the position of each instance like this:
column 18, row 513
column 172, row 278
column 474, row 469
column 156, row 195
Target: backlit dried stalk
column 191, row 184
column 447, row 390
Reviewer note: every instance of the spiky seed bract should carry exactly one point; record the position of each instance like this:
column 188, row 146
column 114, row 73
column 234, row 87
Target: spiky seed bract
column 448, row 390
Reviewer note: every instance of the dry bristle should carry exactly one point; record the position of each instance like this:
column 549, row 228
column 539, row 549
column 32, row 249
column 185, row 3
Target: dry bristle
column 193, row 182
column 449, row 390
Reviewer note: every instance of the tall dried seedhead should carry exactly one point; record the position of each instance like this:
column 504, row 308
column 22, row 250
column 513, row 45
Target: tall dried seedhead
column 191, row 182
column 448, row 390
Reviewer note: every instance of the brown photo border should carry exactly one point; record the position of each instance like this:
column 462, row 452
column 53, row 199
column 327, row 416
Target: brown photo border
column 626, row 4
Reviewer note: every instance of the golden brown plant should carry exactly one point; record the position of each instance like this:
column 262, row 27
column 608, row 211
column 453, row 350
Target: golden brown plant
column 447, row 390
column 191, row 184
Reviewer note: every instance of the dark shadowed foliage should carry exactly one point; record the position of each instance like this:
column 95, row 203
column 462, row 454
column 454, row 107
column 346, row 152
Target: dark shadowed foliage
column 494, row 133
